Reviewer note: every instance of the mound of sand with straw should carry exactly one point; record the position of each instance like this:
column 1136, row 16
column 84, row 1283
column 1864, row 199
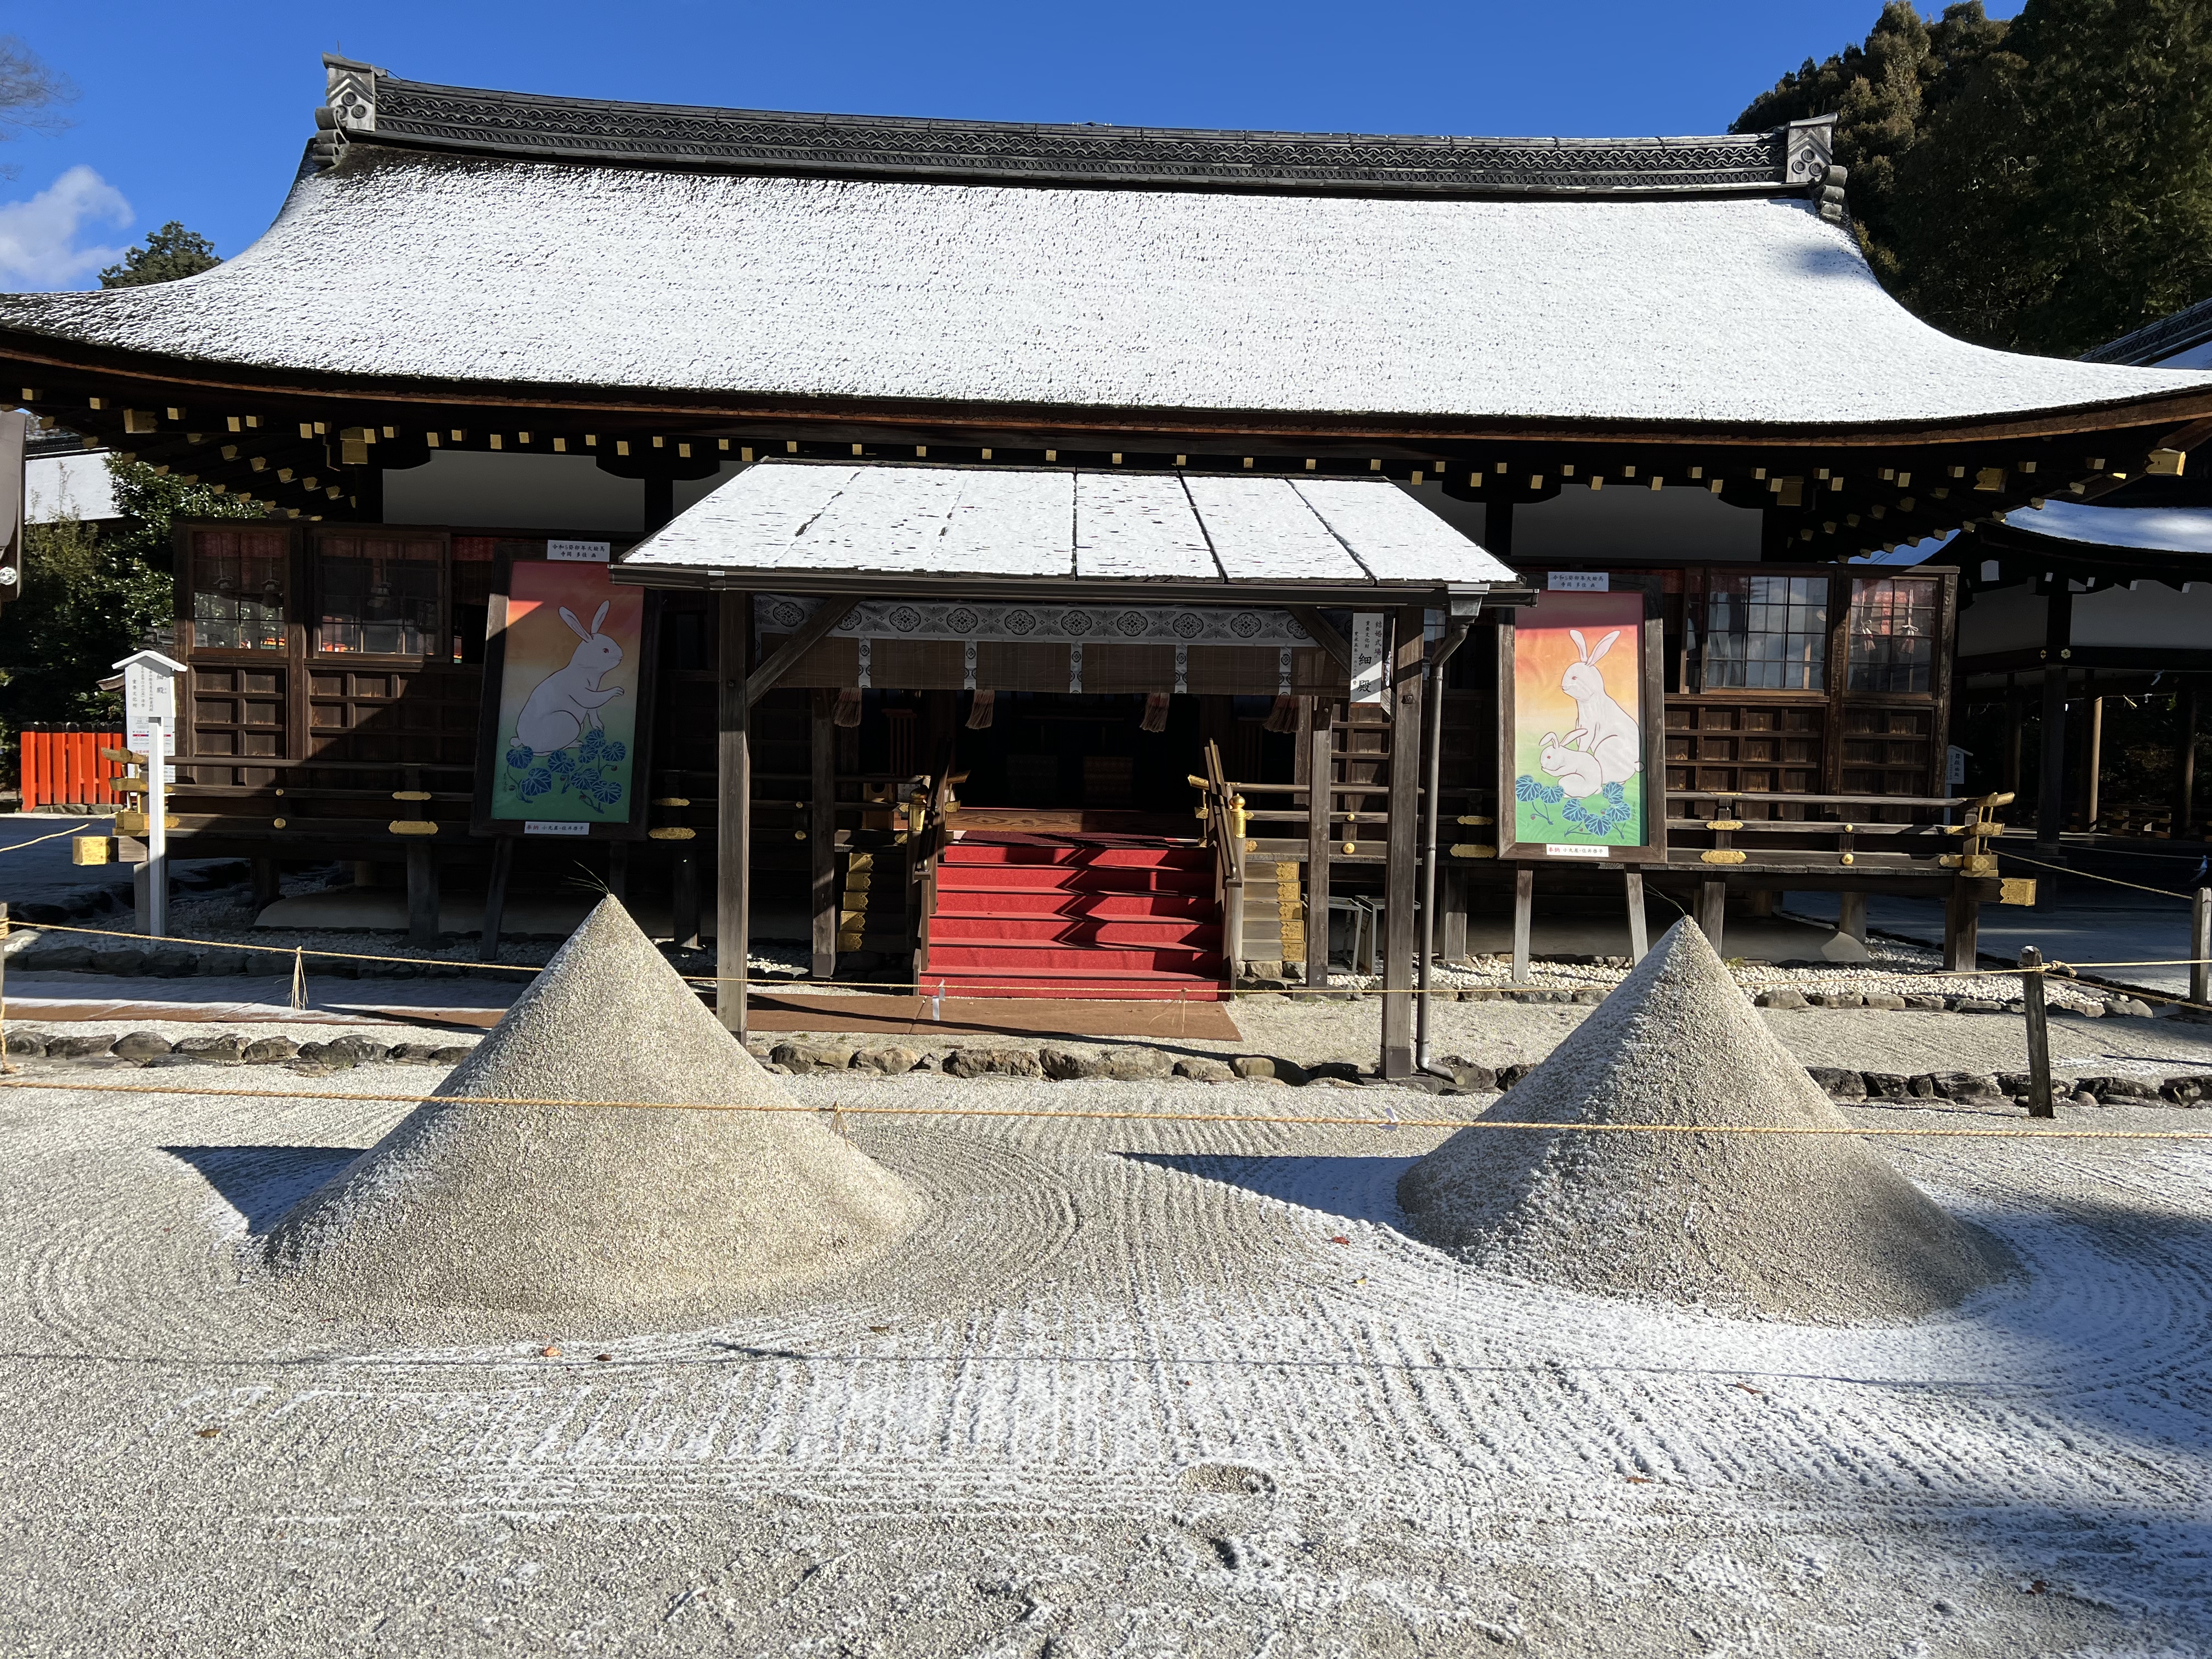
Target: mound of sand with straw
column 471, row 1204
column 1811, row 1228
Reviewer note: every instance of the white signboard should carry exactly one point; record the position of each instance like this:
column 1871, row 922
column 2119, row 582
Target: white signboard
column 1954, row 771
column 1579, row 581
column 554, row 827
column 1367, row 636
column 580, row 552
column 1569, row 850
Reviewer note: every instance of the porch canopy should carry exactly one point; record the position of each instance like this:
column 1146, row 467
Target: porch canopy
column 940, row 578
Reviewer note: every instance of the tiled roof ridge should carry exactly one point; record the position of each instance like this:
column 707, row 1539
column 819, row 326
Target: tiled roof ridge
column 2153, row 343
column 367, row 104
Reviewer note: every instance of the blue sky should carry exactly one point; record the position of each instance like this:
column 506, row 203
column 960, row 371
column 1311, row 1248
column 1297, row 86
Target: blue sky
column 198, row 112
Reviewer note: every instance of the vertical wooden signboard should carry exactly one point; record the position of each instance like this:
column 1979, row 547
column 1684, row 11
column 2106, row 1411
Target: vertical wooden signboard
column 1582, row 751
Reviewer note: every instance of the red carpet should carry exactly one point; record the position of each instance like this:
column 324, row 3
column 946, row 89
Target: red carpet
column 1029, row 916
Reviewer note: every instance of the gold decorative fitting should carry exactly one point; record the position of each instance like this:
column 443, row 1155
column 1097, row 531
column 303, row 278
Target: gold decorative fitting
column 1980, row 864
column 2016, row 890
column 1473, row 850
column 1251, row 846
column 411, row 794
column 1477, row 818
column 91, row 849
column 1352, row 847
column 674, row 832
column 412, row 827
column 2168, row 463
column 1724, row 823
column 1849, row 859
column 1989, row 480
column 140, row 420
column 672, row 800
column 277, row 822
column 1723, row 855
column 799, row 834
column 496, row 441
column 622, row 446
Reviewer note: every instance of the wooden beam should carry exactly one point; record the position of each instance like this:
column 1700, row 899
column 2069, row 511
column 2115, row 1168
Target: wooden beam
column 422, row 893
column 1639, row 935
column 1399, row 935
column 762, row 680
column 821, row 830
column 1310, row 618
column 2050, row 792
column 1850, row 915
column 1712, row 911
column 1962, row 929
column 684, row 903
column 733, row 820
column 495, row 908
column 1524, row 919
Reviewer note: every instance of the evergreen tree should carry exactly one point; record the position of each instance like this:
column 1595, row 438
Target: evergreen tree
column 170, row 253
column 2046, row 185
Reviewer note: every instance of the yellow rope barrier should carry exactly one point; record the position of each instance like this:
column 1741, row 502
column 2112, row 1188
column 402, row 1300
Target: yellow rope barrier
column 72, row 831
column 1095, row 1113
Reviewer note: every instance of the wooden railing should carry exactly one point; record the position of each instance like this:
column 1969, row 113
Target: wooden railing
column 929, row 830
column 1839, row 837
column 1222, row 807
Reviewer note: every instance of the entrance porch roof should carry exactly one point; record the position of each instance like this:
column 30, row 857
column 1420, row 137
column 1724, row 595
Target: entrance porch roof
column 871, row 527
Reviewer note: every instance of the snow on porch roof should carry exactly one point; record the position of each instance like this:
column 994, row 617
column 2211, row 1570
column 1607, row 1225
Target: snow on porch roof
column 797, row 520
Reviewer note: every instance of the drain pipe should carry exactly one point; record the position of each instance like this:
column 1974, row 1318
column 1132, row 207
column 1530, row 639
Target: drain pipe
column 1461, row 618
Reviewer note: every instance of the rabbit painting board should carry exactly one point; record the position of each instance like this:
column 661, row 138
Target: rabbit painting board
column 565, row 748
column 1576, row 765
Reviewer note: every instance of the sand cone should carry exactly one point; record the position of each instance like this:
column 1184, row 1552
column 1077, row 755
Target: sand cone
column 1814, row 1229
column 474, row 1205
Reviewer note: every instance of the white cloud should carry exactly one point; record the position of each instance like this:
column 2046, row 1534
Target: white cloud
column 39, row 245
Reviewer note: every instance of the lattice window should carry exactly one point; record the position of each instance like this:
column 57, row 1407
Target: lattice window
column 238, row 579
column 1891, row 628
column 378, row 595
column 1764, row 634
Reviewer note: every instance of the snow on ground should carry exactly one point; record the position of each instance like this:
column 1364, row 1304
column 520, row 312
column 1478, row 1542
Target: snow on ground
column 1125, row 1392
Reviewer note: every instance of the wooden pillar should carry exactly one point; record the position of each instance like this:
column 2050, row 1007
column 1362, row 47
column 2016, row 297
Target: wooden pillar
column 1524, row 919
column 1452, row 913
column 1321, row 769
column 2093, row 751
column 2185, row 773
column 1850, row 915
column 734, row 813
column 821, row 830
column 2057, row 633
column 659, row 502
column 2015, row 725
column 268, row 883
column 684, row 901
column 422, row 893
column 1639, row 937
column 1962, row 929
column 1402, row 852
column 1712, row 911
column 495, row 905
column 618, row 873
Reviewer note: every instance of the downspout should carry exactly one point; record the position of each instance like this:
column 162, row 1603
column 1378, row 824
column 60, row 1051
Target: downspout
column 1464, row 610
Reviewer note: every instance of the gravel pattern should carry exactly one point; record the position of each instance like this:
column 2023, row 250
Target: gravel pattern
column 600, row 1210
column 1809, row 1229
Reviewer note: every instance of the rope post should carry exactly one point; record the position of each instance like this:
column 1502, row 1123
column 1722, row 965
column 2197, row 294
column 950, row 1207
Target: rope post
column 2039, row 1102
column 6, row 1065
column 2200, row 946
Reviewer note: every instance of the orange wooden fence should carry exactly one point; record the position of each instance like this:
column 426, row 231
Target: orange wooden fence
column 63, row 767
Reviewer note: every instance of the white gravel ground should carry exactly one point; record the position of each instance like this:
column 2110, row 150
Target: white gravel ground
column 1130, row 1387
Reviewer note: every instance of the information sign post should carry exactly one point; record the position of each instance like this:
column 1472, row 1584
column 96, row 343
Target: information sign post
column 149, row 725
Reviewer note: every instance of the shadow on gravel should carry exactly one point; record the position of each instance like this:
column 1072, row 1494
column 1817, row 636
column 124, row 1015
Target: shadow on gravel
column 262, row 1183
column 1354, row 1188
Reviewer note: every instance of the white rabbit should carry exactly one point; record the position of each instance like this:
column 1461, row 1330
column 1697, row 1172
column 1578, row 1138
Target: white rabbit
column 1614, row 738
column 1578, row 773
column 568, row 701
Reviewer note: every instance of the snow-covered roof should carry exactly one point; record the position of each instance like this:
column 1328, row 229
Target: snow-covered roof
column 758, row 261
column 2153, row 529
column 793, row 520
column 2182, row 340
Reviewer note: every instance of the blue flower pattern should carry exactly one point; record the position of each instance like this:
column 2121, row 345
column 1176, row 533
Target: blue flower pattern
column 1616, row 812
column 589, row 772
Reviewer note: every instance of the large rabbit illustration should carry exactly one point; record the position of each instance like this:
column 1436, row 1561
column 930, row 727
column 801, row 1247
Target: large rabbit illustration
column 566, row 703
column 1613, row 736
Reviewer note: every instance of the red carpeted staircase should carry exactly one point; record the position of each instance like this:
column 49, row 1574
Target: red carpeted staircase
column 1032, row 915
